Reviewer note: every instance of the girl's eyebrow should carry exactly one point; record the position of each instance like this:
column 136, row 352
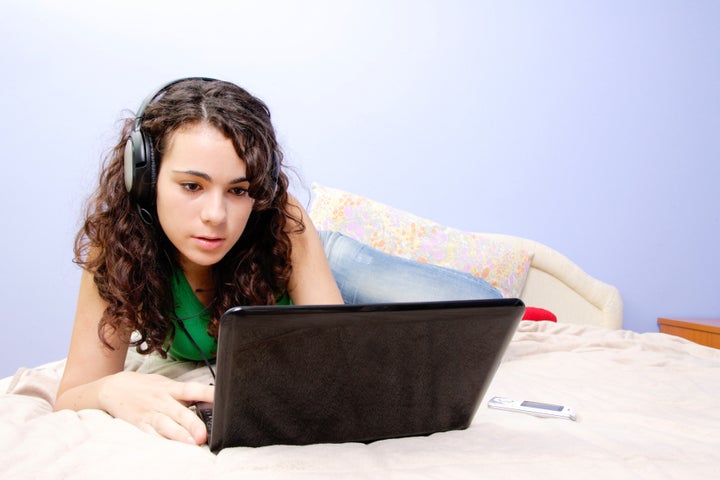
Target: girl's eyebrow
column 207, row 177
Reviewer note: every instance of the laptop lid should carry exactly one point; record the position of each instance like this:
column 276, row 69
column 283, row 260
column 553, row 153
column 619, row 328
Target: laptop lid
column 355, row 373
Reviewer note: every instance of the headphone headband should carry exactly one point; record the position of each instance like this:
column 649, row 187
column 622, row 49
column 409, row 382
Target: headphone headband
column 148, row 100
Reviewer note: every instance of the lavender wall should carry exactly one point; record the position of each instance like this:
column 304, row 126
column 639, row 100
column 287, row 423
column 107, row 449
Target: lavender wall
column 589, row 126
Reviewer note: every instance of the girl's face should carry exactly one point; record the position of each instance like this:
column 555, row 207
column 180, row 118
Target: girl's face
column 202, row 200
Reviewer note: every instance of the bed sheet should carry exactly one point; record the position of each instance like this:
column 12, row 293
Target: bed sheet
column 646, row 405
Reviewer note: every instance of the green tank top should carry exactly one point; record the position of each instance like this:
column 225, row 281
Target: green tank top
column 195, row 317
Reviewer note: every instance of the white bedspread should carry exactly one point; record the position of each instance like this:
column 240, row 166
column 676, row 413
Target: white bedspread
column 648, row 407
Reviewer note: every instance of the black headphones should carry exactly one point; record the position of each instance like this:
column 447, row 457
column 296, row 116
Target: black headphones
column 141, row 167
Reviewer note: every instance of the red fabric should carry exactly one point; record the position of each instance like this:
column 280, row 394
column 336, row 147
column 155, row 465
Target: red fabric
column 539, row 314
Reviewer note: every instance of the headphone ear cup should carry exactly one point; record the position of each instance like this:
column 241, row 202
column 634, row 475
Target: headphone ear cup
column 140, row 168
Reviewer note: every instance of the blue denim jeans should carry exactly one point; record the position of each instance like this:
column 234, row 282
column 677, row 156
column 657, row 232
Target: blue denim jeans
column 366, row 275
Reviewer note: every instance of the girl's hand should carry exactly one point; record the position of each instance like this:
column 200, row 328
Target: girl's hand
column 157, row 404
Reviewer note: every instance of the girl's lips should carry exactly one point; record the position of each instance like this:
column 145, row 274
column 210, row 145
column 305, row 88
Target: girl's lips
column 208, row 243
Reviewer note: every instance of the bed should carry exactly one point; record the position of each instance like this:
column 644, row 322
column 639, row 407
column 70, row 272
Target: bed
column 646, row 403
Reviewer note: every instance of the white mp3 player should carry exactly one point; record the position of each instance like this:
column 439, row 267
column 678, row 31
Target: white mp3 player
column 537, row 409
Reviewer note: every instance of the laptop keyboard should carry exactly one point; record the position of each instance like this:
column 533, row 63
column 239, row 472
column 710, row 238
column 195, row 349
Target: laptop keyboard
column 205, row 412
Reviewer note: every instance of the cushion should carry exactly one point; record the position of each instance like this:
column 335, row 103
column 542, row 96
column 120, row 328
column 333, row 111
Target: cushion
column 406, row 235
column 538, row 314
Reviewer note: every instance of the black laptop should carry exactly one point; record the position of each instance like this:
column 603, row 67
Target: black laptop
column 298, row 375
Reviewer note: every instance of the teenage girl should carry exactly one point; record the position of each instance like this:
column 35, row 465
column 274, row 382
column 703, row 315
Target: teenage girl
column 192, row 216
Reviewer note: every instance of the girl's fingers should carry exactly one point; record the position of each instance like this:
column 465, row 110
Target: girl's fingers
column 192, row 392
column 162, row 425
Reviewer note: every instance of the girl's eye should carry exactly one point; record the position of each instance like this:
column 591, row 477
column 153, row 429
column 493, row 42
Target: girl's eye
column 239, row 191
column 190, row 186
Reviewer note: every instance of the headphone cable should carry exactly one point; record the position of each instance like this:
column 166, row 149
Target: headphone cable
column 180, row 322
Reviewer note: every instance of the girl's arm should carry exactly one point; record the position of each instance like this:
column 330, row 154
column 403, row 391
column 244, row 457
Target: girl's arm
column 94, row 378
column 311, row 281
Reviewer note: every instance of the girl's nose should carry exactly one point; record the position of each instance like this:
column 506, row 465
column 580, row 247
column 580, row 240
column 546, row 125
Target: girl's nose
column 214, row 211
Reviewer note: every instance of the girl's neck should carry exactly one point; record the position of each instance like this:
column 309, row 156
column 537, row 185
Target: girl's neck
column 201, row 281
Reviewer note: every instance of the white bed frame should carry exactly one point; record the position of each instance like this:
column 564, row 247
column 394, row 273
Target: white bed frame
column 557, row 284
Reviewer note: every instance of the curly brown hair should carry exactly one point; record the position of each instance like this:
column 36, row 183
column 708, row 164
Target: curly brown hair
column 133, row 261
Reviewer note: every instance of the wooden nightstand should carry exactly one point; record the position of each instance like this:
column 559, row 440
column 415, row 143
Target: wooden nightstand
column 705, row 331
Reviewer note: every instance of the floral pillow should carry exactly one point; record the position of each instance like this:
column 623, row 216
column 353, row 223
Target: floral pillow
column 406, row 235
